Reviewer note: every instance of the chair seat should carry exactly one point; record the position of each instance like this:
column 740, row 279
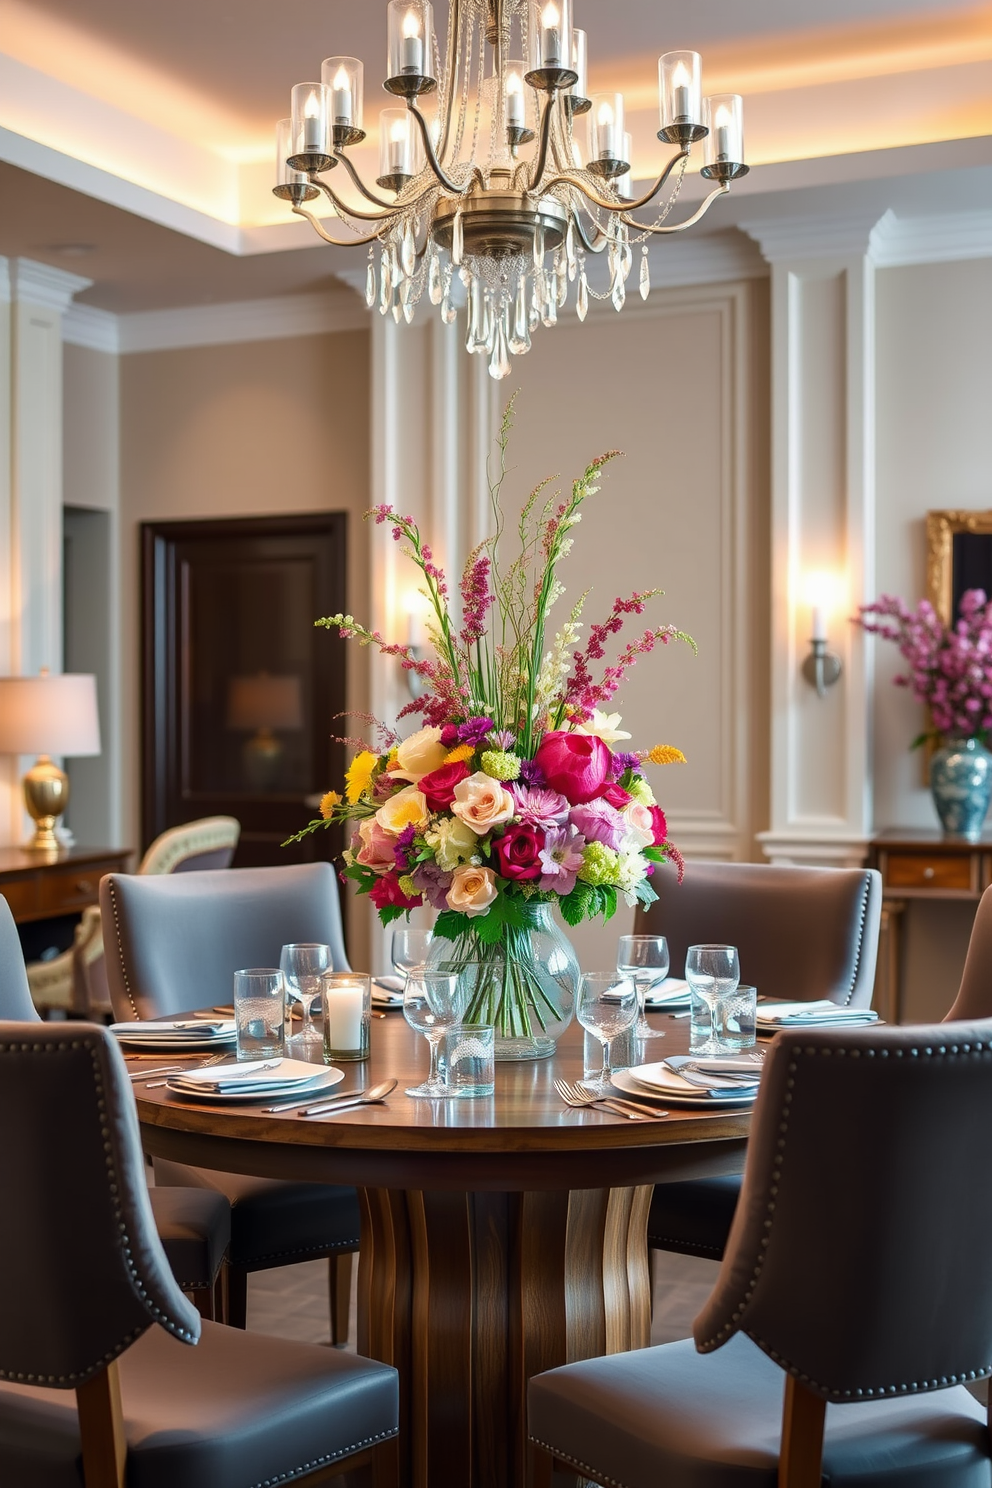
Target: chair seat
column 694, row 1218
column 194, row 1226
column 686, row 1420
column 275, row 1223
column 240, row 1410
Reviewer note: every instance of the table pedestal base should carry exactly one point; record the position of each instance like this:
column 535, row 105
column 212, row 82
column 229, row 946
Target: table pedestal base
column 469, row 1294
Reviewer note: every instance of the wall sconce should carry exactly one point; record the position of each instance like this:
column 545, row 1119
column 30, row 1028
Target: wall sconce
column 822, row 592
column 416, row 609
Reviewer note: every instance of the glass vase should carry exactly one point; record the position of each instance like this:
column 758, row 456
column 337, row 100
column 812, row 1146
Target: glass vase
column 961, row 785
column 525, row 986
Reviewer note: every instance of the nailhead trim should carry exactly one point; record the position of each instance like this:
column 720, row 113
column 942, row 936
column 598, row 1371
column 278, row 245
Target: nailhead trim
column 155, row 1313
column 348, row 1246
column 309, row 1467
column 583, row 1467
column 120, row 949
column 866, row 886
column 874, row 1392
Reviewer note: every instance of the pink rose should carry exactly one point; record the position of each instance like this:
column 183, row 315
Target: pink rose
column 386, row 893
column 640, row 823
column 472, row 889
column 481, row 803
column 577, row 765
column 439, row 786
column 378, row 848
column 519, row 852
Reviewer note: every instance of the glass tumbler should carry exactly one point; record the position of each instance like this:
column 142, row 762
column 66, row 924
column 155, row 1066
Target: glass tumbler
column 736, row 1019
column 260, row 1012
column 469, row 1059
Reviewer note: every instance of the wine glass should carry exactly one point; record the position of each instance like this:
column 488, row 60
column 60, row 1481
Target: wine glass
column 410, row 947
column 607, row 1005
column 713, row 972
column 433, row 1003
column 302, row 965
column 644, row 958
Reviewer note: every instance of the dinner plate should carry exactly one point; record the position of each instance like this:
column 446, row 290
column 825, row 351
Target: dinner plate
column 189, row 1045
column 277, row 1089
column 676, row 1092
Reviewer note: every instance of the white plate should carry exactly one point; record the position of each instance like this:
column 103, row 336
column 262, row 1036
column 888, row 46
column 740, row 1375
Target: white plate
column 160, row 1040
column 177, row 1045
column 677, row 1092
column 275, row 1089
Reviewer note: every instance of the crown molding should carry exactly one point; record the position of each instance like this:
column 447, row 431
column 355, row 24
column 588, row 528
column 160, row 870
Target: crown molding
column 40, row 284
column 788, row 239
column 244, row 320
column 85, row 325
column 945, row 238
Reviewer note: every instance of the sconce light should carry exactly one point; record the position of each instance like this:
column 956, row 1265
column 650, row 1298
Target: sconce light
column 415, row 608
column 822, row 591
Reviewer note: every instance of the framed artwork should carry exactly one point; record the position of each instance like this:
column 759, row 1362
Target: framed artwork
column 959, row 557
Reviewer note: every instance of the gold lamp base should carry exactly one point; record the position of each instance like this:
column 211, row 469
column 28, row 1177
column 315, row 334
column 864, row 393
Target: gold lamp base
column 46, row 796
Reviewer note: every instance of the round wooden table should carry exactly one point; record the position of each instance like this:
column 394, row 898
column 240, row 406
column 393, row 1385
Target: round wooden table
column 500, row 1236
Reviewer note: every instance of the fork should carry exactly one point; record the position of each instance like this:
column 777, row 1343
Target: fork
column 177, row 1069
column 574, row 1095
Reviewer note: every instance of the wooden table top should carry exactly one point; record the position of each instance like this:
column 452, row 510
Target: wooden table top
column 522, row 1137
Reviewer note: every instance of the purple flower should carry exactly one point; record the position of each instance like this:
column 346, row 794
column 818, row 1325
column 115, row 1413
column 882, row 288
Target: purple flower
column 474, row 730
column 531, row 773
column 561, row 859
column 538, row 806
column 401, row 851
column 504, row 739
column 622, row 762
column 433, row 883
column 598, row 821
column 950, row 666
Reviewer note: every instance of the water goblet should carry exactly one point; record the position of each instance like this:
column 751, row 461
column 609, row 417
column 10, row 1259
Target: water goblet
column 607, row 1004
column 644, row 958
column 303, row 964
column 410, row 947
column 713, row 973
column 432, row 1004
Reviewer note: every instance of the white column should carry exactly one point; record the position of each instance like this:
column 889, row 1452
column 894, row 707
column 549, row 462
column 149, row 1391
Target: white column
column 823, row 515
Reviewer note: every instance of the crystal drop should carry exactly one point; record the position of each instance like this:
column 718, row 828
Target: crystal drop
column 618, row 293
column 397, row 309
column 385, row 283
column 519, row 338
column 539, row 248
column 570, row 254
column 476, row 337
column 406, row 294
column 370, row 285
column 408, row 249
column 549, row 313
column 582, row 297
column 457, row 240
column 561, row 287
column 499, row 361
column 626, row 259
column 434, row 287
column 408, row 308
column 645, row 274
column 448, row 312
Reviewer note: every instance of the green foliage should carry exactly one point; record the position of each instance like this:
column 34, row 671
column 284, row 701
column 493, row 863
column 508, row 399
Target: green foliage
column 449, row 924
column 654, row 854
column 391, row 912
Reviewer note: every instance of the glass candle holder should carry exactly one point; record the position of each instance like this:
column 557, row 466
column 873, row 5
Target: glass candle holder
column 401, row 150
column 311, row 122
column 410, row 30
column 291, row 185
column 346, row 1003
column 345, row 77
column 723, row 115
column 579, row 92
column 606, row 129
column 515, row 96
column 549, row 54
column 680, row 88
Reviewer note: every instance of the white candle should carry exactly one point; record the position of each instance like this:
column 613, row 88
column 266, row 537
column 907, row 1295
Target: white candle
column 819, row 623
column 342, row 102
column 399, row 141
column 313, row 133
column 551, row 49
column 412, row 45
column 680, row 100
column 514, row 101
column 724, row 129
column 343, row 1008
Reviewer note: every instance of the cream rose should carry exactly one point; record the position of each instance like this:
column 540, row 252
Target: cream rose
column 452, row 842
column 472, row 889
column 407, row 808
column 376, row 851
column 639, row 823
column 482, row 803
column 419, row 755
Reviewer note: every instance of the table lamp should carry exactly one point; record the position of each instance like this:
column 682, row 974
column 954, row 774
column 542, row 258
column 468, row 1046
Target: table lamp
column 258, row 705
column 48, row 715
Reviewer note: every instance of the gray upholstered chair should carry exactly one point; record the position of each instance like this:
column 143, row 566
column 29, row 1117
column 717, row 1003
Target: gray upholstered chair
column 173, row 944
column 802, row 934
column 193, row 1224
column 96, row 1339
column 858, row 1272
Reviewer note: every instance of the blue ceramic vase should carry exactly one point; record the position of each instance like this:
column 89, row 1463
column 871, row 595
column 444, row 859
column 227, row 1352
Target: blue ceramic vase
column 961, row 785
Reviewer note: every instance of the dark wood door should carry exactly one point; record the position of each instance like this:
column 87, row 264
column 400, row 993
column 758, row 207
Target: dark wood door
column 240, row 691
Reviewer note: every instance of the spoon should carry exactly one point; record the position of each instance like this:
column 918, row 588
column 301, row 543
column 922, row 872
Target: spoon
column 368, row 1097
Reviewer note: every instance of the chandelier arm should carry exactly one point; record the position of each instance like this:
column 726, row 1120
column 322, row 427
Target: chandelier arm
column 377, row 201
column 678, row 227
column 345, row 211
column 452, row 74
column 591, row 245
column 540, row 163
column 432, row 160
column 319, row 229
column 569, row 178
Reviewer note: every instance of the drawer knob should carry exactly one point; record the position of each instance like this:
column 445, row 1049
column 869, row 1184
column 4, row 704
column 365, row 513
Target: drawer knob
column 928, row 873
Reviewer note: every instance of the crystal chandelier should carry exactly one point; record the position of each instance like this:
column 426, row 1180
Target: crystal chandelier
column 454, row 196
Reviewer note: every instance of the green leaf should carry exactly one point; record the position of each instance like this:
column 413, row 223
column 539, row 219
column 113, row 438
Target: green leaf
column 511, row 911
column 609, row 907
column 645, row 893
column 489, row 927
column 449, row 924
column 655, row 854
column 391, row 912
column 575, row 907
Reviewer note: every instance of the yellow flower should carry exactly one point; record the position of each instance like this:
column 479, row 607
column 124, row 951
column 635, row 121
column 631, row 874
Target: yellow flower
column 359, row 775
column 459, row 753
column 408, row 808
column 665, row 754
column 328, row 803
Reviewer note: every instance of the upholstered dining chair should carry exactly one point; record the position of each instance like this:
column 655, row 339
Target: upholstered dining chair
column 174, row 944
column 974, row 999
column 854, row 1301
column 101, row 1355
column 76, row 981
column 193, row 1224
column 802, row 934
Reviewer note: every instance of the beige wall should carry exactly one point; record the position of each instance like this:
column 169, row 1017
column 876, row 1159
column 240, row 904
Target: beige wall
column 253, row 429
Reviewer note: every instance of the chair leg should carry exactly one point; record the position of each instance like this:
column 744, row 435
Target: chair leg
column 339, row 1267
column 237, row 1296
column 202, row 1299
column 801, row 1455
column 101, row 1429
column 542, row 1467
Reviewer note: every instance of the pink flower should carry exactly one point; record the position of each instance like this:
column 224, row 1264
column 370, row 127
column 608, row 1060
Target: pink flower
column 577, row 765
column 386, row 892
column 598, row 821
column 538, row 807
column 377, row 848
column 660, row 825
column 439, row 786
column 615, row 795
column 519, row 852
column 561, row 859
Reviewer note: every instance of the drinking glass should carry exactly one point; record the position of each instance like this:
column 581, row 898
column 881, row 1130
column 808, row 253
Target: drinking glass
column 644, row 958
column 410, row 948
column 432, row 1004
column 303, row 965
column 469, row 1064
column 607, row 1004
column 260, row 1012
column 713, row 973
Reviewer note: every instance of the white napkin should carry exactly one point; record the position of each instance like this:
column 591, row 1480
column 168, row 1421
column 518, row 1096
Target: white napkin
column 388, row 990
column 662, row 1078
column 672, row 992
column 716, row 1074
column 262, row 1075
column 181, row 1030
column 821, row 1013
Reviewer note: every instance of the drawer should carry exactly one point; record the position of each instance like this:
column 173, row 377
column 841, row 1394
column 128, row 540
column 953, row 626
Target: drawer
column 66, row 890
column 920, row 871
column 22, row 896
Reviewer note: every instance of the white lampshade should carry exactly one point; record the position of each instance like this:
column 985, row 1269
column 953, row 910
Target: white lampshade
column 264, row 701
column 49, row 715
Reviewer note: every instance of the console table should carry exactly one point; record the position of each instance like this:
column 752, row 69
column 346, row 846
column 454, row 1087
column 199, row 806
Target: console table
column 921, row 865
column 40, row 886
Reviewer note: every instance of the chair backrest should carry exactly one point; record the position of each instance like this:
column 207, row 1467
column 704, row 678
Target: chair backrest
column 85, row 1270
column 859, row 1255
column 974, row 999
column 174, row 943
column 802, row 933
column 15, row 994
column 195, row 846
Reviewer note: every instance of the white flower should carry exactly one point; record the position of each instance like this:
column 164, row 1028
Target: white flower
column 640, row 825
column 641, row 792
column 603, row 726
column 632, row 868
column 419, row 755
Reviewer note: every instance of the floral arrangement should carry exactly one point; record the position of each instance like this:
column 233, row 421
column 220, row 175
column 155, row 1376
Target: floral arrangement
column 514, row 790
column 950, row 666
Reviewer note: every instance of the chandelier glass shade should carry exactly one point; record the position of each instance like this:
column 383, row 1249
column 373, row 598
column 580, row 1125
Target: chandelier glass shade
column 489, row 184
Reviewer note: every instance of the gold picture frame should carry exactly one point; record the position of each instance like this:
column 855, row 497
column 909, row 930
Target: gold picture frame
column 942, row 528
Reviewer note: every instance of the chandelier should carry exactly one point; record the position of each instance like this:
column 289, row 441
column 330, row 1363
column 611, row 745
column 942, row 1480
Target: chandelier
column 455, row 196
